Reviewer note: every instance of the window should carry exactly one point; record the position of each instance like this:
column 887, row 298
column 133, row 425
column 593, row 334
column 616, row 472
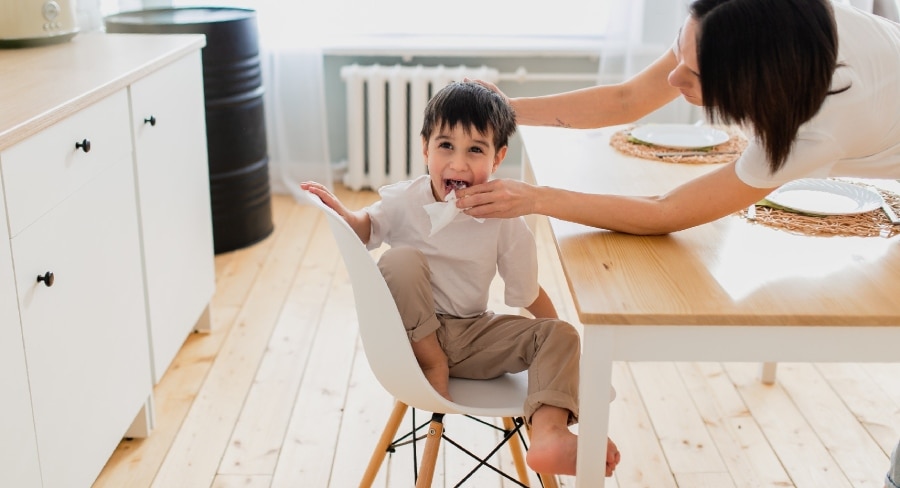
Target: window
column 570, row 18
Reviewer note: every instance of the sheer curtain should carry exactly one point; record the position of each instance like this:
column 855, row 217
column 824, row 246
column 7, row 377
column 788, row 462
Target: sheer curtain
column 292, row 69
column 296, row 115
column 294, row 98
column 639, row 31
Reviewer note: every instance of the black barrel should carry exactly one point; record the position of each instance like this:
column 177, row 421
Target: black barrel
column 235, row 119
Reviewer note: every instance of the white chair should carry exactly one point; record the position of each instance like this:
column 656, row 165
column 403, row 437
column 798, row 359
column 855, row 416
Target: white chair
column 394, row 365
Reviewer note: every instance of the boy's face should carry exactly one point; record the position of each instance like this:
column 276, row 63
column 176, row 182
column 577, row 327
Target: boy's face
column 458, row 159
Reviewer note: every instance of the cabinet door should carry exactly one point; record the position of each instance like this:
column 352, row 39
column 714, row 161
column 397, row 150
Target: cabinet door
column 85, row 336
column 172, row 172
column 18, row 451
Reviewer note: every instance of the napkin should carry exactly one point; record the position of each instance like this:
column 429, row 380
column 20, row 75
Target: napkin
column 442, row 213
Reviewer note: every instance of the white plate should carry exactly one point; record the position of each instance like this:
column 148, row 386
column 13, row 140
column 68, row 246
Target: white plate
column 825, row 197
column 682, row 136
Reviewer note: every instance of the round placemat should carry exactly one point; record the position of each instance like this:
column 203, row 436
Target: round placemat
column 723, row 153
column 868, row 224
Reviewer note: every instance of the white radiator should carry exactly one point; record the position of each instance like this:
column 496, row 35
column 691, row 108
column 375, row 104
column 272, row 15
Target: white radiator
column 385, row 109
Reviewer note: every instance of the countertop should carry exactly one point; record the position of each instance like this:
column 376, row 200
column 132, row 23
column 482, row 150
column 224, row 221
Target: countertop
column 40, row 86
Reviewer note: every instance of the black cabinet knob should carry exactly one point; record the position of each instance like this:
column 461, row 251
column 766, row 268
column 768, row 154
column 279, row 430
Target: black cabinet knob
column 84, row 145
column 47, row 278
column 150, row 120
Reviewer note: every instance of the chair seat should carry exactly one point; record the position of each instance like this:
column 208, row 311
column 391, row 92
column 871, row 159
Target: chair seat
column 498, row 397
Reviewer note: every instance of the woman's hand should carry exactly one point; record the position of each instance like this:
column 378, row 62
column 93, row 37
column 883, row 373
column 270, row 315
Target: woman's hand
column 500, row 198
column 490, row 86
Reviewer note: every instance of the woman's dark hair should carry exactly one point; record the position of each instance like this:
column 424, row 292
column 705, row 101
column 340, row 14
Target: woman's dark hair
column 470, row 104
column 766, row 62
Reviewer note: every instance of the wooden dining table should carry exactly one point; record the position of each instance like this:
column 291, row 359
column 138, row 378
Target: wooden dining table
column 729, row 290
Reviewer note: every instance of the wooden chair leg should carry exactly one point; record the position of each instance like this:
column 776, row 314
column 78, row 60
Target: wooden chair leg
column 515, row 447
column 387, row 436
column 430, row 453
column 548, row 480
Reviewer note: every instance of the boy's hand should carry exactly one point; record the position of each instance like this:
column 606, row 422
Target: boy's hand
column 326, row 196
column 359, row 221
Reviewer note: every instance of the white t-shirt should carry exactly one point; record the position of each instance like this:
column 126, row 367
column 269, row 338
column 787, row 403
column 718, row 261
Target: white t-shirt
column 856, row 133
column 464, row 256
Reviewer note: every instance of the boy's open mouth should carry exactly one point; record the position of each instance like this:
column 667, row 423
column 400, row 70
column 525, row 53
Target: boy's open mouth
column 450, row 185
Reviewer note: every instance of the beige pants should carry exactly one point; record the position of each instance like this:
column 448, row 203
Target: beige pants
column 488, row 345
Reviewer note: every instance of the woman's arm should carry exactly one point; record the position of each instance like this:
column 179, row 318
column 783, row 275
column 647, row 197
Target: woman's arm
column 701, row 200
column 602, row 105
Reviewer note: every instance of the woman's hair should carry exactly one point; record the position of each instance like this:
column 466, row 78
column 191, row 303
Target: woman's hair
column 469, row 104
column 768, row 63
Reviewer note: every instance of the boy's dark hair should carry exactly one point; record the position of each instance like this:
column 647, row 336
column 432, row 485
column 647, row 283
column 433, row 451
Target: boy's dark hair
column 468, row 105
column 766, row 62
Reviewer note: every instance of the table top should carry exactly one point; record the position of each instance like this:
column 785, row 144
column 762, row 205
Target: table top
column 727, row 272
column 40, row 86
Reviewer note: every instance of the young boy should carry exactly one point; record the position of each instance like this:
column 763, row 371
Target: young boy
column 439, row 272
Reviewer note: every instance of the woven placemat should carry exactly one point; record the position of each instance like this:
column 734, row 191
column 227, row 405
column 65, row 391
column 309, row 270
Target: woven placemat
column 869, row 224
column 723, row 153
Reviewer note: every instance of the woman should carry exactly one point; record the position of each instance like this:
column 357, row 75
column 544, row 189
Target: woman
column 813, row 85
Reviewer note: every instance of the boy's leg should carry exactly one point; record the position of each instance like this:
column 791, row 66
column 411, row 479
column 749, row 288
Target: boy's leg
column 408, row 277
column 554, row 447
column 550, row 351
column 892, row 479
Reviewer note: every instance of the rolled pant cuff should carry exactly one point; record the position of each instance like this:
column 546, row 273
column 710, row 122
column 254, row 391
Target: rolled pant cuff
column 553, row 399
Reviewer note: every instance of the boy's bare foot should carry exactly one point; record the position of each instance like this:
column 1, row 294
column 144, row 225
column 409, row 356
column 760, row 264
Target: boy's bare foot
column 552, row 451
column 554, row 447
column 613, row 456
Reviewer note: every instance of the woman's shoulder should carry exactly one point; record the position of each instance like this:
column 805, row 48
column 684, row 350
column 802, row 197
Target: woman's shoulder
column 859, row 28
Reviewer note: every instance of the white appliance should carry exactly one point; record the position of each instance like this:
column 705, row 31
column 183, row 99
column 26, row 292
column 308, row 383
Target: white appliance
column 25, row 23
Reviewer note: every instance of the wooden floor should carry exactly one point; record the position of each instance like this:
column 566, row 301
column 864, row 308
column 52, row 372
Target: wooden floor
column 279, row 394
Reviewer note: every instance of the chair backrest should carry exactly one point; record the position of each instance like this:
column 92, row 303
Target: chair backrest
column 383, row 336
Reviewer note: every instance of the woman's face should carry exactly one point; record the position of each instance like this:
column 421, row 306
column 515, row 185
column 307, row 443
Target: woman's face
column 686, row 75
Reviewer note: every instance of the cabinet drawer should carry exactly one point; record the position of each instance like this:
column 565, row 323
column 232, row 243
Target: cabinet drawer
column 45, row 169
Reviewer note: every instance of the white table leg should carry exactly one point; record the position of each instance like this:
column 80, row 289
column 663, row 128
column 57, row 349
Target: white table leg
column 593, row 421
column 767, row 373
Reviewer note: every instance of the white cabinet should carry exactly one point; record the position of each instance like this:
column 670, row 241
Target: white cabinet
column 167, row 110
column 80, row 288
column 106, row 252
column 18, row 450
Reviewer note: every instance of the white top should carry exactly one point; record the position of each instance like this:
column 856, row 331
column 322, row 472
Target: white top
column 856, row 133
column 464, row 256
